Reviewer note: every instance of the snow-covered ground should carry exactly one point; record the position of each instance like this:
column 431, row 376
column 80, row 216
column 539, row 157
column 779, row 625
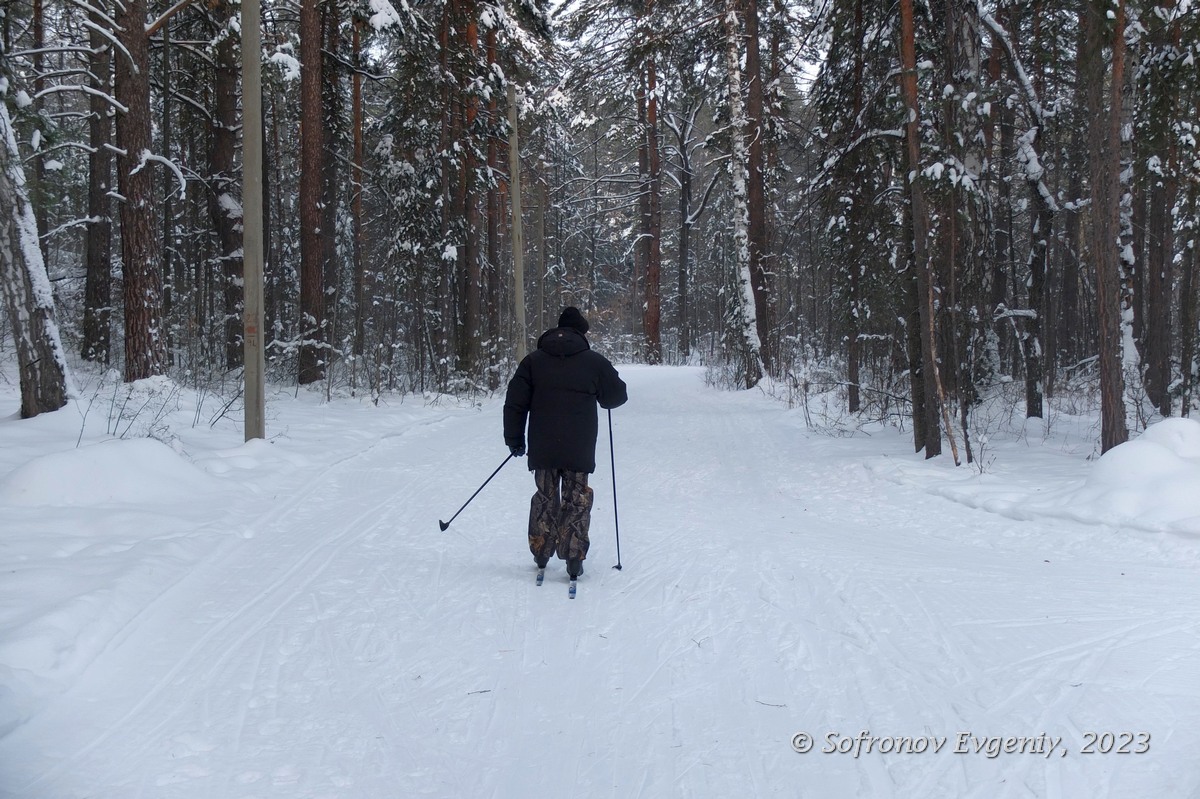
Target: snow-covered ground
column 205, row 618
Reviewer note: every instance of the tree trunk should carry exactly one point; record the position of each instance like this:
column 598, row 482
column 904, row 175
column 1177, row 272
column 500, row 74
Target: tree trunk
column 97, row 305
column 312, row 120
column 518, row 233
column 1041, row 228
column 25, row 287
column 920, row 228
column 37, row 192
column 1070, row 335
column 445, row 334
column 224, row 207
column 331, row 98
column 1039, row 249
column 1164, row 190
column 542, row 264
column 756, row 195
column 685, row 246
column 471, row 274
column 1104, row 144
column 641, row 250
column 141, row 248
column 1187, row 301
column 855, row 299
column 170, row 280
column 491, row 269
column 753, row 367
column 361, row 310
column 652, row 309
column 910, row 301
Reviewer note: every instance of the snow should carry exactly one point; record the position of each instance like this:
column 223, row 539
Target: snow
column 384, row 15
column 26, row 232
column 230, row 205
column 193, row 616
column 136, row 471
column 288, row 64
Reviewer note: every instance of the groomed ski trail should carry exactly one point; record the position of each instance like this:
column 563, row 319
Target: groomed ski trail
column 771, row 586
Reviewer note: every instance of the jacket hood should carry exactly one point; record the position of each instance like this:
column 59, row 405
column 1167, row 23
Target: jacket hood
column 562, row 342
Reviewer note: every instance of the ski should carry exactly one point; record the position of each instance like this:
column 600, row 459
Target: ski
column 541, row 575
column 571, row 590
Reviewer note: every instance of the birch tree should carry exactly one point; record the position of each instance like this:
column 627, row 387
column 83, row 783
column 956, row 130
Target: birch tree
column 28, row 301
column 745, row 321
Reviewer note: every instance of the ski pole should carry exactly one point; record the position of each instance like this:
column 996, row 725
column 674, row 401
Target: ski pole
column 444, row 525
column 612, row 460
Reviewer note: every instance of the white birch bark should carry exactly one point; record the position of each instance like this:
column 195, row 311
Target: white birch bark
column 740, row 154
column 25, row 287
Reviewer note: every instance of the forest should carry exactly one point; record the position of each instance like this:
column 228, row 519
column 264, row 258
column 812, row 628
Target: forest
column 912, row 206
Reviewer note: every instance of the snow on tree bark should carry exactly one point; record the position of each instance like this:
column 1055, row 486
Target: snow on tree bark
column 141, row 248
column 920, row 230
column 97, row 308
column 652, row 309
column 225, row 211
column 28, row 300
column 738, row 168
column 1046, row 207
column 756, row 193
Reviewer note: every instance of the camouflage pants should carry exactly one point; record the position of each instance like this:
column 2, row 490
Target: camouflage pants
column 559, row 516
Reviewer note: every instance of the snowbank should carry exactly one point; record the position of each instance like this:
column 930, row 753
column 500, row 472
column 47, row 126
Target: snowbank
column 1152, row 482
column 111, row 472
column 92, row 535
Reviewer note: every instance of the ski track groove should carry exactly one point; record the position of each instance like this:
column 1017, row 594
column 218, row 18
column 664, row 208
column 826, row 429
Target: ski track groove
column 289, row 508
column 670, row 678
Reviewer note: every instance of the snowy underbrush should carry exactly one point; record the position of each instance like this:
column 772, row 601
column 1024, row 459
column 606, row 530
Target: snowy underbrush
column 817, row 387
column 1022, row 468
column 1051, row 468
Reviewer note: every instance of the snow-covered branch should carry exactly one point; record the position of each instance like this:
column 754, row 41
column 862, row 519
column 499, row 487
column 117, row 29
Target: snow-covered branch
column 1027, row 152
column 84, row 220
column 108, row 34
column 99, row 12
column 50, row 51
column 80, row 87
column 1010, row 313
column 695, row 215
column 1034, row 171
column 836, row 158
column 148, row 156
column 1030, row 94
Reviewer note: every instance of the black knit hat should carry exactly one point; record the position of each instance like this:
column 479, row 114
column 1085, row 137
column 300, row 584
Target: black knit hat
column 571, row 317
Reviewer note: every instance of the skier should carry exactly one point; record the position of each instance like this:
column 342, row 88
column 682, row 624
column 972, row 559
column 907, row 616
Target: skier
column 557, row 386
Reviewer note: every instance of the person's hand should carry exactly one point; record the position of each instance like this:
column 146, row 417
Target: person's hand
column 518, row 450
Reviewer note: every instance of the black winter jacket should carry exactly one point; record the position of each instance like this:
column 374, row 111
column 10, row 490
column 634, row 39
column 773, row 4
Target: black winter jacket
column 557, row 386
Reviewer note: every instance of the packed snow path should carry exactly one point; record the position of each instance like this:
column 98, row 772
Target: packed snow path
column 336, row 644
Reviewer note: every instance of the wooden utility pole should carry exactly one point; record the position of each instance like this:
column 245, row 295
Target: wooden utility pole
column 252, row 219
column 518, row 237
